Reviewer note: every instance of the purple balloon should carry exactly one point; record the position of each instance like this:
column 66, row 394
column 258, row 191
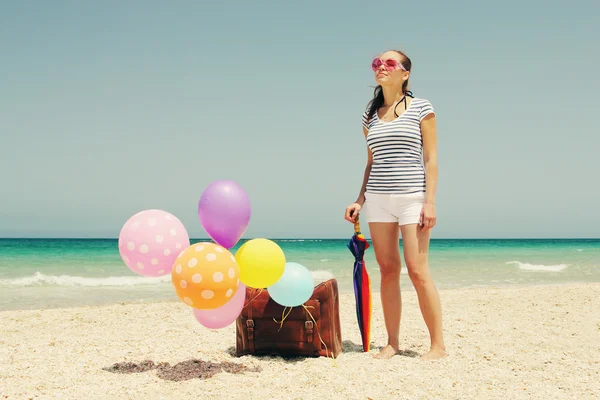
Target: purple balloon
column 224, row 211
column 226, row 314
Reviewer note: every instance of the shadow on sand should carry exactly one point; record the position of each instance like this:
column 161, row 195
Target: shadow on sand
column 183, row 371
column 347, row 347
column 351, row 347
column 287, row 358
column 408, row 353
column 401, row 353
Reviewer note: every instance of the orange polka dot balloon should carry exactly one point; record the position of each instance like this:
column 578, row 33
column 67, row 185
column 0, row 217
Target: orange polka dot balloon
column 205, row 276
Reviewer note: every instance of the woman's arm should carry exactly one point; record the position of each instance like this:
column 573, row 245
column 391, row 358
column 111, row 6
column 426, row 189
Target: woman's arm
column 361, row 196
column 428, row 131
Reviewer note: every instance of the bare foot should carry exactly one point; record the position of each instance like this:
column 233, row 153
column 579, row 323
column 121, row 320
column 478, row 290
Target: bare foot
column 434, row 354
column 386, row 353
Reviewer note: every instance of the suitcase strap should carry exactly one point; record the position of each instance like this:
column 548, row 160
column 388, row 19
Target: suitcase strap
column 250, row 328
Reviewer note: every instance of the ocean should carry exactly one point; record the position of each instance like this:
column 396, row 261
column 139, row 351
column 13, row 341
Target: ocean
column 51, row 273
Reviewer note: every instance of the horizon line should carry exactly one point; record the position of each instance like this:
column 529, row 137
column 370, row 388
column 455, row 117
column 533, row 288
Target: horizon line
column 304, row 238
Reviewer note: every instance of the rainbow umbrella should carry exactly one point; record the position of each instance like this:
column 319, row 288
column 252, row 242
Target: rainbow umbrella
column 362, row 285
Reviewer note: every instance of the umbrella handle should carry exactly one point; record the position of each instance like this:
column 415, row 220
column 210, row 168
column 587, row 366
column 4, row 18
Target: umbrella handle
column 357, row 225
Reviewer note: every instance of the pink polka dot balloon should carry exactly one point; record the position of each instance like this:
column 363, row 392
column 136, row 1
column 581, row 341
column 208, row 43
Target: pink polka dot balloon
column 150, row 241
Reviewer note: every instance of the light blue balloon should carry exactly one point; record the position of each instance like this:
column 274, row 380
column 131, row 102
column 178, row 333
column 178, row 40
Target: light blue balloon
column 295, row 286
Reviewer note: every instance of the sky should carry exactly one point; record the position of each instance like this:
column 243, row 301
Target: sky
column 110, row 108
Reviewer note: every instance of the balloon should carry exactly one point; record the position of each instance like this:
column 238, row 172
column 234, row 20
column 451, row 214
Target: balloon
column 261, row 263
column 205, row 276
column 224, row 212
column 225, row 315
column 295, row 287
column 150, row 241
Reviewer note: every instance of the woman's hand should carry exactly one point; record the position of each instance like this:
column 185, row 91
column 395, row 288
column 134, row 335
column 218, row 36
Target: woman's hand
column 428, row 217
column 352, row 211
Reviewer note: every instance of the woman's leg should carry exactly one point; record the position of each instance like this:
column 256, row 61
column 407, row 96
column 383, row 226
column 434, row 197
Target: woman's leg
column 385, row 238
column 416, row 248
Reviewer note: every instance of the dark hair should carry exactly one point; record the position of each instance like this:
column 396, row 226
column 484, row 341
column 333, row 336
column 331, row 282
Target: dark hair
column 377, row 100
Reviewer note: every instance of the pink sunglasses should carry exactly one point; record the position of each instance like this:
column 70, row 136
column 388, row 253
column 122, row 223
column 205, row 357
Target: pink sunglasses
column 390, row 64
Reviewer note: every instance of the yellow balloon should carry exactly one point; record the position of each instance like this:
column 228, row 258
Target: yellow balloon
column 261, row 263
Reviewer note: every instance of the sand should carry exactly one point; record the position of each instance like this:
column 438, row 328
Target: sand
column 540, row 342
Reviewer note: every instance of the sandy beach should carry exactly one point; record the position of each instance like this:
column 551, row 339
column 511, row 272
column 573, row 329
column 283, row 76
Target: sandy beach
column 535, row 342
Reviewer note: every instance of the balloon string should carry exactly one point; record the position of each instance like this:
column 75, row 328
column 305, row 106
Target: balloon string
column 283, row 317
column 319, row 333
column 327, row 353
column 252, row 299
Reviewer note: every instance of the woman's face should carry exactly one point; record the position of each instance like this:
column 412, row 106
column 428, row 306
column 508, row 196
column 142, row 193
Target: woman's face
column 388, row 69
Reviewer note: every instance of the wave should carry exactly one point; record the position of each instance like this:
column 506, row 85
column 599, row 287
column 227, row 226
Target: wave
column 39, row 279
column 539, row 267
column 321, row 276
column 298, row 240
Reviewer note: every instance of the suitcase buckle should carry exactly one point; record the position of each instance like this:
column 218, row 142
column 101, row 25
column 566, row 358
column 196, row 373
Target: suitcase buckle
column 250, row 326
column 308, row 325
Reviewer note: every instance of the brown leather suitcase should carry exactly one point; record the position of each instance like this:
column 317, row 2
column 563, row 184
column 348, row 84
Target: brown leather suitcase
column 309, row 331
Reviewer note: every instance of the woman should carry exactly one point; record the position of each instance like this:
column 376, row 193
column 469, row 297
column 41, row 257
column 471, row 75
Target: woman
column 398, row 194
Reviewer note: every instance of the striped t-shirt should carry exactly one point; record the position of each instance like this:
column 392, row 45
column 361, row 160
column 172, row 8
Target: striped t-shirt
column 397, row 148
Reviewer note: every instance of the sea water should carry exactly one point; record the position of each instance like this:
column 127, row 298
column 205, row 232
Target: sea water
column 48, row 273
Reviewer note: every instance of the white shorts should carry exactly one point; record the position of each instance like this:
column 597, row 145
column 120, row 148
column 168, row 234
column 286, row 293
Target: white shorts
column 404, row 209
